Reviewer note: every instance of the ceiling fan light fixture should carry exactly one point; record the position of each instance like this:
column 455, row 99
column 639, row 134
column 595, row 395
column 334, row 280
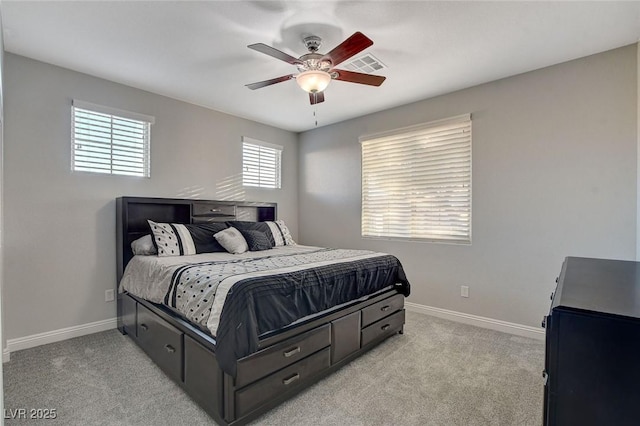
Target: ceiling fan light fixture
column 313, row 81
column 317, row 69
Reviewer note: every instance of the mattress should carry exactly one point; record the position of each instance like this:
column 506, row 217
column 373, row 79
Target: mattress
column 238, row 298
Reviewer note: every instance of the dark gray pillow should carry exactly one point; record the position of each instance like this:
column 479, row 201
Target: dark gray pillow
column 277, row 232
column 202, row 234
column 256, row 240
column 243, row 225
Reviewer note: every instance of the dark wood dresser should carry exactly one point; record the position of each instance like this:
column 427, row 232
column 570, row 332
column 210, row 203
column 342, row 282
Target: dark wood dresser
column 592, row 357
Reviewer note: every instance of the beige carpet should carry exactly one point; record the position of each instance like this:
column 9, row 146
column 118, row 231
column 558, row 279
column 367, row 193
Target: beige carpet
column 438, row 373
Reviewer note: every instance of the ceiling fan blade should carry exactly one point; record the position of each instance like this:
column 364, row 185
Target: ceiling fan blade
column 273, row 52
column 351, row 46
column 316, row 98
column 358, row 77
column 259, row 84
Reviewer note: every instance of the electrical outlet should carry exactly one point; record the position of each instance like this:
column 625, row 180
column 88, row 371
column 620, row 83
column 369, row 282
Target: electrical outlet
column 464, row 291
column 109, row 295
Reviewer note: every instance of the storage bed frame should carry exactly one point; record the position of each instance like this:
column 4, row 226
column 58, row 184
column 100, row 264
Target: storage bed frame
column 287, row 361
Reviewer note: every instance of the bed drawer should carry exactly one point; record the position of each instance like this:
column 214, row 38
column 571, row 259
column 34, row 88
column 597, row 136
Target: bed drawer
column 383, row 328
column 383, row 308
column 161, row 341
column 276, row 384
column 275, row 357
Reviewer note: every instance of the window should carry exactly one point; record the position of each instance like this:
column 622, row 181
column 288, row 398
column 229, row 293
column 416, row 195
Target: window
column 261, row 164
column 110, row 141
column 416, row 182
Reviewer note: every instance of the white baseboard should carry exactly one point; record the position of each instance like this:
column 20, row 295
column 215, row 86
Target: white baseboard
column 490, row 323
column 56, row 336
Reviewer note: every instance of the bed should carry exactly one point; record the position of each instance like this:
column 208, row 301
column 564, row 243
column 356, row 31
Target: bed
column 240, row 333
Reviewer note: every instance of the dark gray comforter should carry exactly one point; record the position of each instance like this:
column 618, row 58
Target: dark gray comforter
column 238, row 299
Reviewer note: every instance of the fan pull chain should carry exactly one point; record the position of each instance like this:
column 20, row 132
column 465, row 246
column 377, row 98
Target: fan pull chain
column 315, row 108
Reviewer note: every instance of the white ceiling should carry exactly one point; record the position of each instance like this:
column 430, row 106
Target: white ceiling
column 196, row 51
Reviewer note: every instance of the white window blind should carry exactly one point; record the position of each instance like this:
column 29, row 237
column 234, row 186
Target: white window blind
column 111, row 141
column 416, row 182
column 261, row 164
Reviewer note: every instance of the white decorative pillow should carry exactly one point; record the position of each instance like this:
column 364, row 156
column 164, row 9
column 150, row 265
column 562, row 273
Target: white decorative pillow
column 281, row 234
column 232, row 240
column 288, row 239
column 172, row 239
column 144, row 246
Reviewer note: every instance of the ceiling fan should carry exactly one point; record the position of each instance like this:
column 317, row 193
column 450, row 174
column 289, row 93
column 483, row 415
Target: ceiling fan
column 317, row 69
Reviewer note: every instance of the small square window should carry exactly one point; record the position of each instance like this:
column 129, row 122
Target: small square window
column 109, row 141
column 261, row 164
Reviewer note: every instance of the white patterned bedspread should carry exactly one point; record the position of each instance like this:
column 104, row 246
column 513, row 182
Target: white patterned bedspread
column 202, row 281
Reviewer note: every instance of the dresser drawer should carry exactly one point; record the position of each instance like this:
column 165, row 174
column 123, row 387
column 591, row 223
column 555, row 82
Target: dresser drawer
column 383, row 308
column 383, row 328
column 290, row 377
column 275, row 357
column 161, row 341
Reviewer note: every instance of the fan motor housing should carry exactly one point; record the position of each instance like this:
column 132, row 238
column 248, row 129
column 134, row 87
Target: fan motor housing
column 314, row 61
column 312, row 43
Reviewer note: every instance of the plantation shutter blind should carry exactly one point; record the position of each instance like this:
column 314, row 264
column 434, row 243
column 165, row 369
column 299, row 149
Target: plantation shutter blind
column 416, row 182
column 111, row 141
column 261, row 163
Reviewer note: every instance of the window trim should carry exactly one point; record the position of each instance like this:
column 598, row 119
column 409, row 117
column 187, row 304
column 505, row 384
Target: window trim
column 275, row 147
column 404, row 131
column 114, row 112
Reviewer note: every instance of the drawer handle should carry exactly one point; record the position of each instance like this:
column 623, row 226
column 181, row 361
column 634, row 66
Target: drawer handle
column 544, row 322
column 170, row 348
column 144, row 327
column 291, row 352
column 215, row 210
column 291, row 379
column 385, row 327
column 385, row 308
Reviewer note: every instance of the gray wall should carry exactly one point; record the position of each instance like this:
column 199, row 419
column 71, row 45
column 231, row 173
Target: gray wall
column 554, row 174
column 60, row 226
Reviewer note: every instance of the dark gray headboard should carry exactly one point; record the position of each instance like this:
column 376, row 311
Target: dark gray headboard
column 132, row 214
